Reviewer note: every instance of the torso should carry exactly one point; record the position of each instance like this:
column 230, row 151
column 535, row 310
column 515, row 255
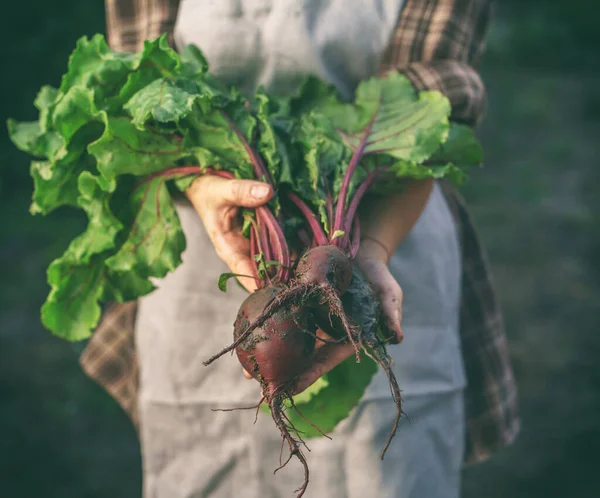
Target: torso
column 260, row 42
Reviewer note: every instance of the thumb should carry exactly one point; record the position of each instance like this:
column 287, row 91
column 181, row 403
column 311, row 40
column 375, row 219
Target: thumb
column 246, row 193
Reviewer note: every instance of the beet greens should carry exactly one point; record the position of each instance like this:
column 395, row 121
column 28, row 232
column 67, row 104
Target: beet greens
column 125, row 132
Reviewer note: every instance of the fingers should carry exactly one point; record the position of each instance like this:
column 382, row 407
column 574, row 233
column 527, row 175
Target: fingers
column 223, row 192
column 391, row 303
column 323, row 360
column 246, row 374
column 389, row 292
column 240, row 264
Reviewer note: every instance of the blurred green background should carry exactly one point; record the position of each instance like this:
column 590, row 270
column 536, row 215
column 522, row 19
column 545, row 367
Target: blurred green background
column 536, row 204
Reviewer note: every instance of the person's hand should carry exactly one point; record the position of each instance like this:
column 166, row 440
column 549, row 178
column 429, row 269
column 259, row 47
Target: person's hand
column 217, row 201
column 372, row 260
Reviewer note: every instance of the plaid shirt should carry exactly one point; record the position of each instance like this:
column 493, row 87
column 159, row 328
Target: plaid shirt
column 437, row 44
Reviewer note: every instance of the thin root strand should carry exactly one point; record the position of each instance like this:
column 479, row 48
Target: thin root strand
column 329, row 295
column 276, row 405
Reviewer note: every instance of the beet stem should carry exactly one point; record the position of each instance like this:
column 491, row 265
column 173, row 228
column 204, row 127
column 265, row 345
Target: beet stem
column 253, row 252
column 358, row 195
column 278, row 241
column 354, row 160
column 314, row 224
column 329, row 204
column 259, row 168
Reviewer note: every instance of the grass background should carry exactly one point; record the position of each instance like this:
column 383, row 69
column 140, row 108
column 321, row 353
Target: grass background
column 535, row 202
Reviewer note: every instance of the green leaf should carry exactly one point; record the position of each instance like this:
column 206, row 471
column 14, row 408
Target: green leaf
column 76, row 279
column 312, row 391
column 123, row 286
column 224, row 278
column 124, row 149
column 271, row 145
column 55, row 185
column 165, row 101
column 30, row 138
column 56, row 180
column 407, row 170
column 389, row 117
column 213, row 133
column 75, row 110
column 155, row 239
column 115, row 76
column 313, row 94
column 461, row 148
column 194, row 60
column 71, row 309
column 44, row 102
column 345, row 386
column 338, row 233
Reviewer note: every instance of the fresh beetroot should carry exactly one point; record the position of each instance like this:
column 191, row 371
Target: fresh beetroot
column 327, row 266
column 275, row 354
column 320, row 276
column 281, row 348
column 276, row 327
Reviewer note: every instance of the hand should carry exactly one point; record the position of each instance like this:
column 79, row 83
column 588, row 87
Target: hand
column 372, row 260
column 217, row 201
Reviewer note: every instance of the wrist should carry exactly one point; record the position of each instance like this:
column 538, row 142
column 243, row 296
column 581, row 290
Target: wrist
column 373, row 249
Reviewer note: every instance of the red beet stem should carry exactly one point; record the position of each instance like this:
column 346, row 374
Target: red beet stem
column 278, row 241
column 263, row 238
column 254, row 250
column 353, row 207
column 354, row 160
column 314, row 224
column 259, row 168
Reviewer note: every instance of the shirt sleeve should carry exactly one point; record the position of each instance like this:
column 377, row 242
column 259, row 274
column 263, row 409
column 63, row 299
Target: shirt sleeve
column 437, row 45
column 130, row 22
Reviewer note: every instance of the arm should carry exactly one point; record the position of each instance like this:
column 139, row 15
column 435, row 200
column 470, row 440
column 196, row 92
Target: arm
column 436, row 45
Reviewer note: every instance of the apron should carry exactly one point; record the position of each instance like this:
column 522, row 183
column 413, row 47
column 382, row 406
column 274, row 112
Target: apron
column 190, row 450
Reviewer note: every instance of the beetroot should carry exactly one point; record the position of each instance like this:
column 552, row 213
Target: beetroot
column 327, row 266
column 279, row 350
column 276, row 328
column 275, row 354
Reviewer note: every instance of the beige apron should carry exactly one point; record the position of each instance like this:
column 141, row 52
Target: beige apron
column 191, row 451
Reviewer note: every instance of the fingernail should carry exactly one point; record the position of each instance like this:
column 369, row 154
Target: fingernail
column 259, row 191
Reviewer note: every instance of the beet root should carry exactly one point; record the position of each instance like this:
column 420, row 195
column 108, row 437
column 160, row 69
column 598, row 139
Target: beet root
column 275, row 353
column 322, row 275
column 325, row 265
column 363, row 309
column 281, row 348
